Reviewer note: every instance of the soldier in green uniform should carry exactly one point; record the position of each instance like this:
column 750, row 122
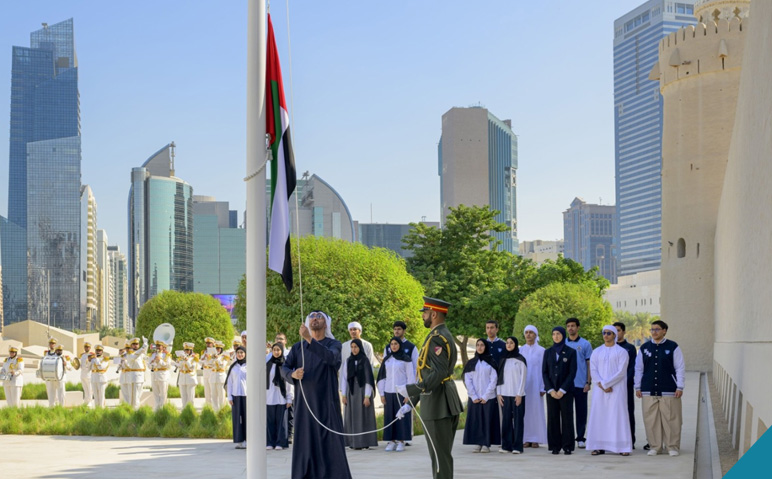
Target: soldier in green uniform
column 434, row 387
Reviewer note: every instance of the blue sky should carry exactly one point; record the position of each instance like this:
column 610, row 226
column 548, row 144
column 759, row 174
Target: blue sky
column 371, row 81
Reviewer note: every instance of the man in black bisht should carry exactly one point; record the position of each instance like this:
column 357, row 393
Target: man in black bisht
column 314, row 362
column 558, row 371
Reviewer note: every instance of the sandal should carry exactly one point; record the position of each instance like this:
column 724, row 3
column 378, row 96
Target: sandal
column 534, row 445
column 624, row 454
column 598, row 452
column 527, row 444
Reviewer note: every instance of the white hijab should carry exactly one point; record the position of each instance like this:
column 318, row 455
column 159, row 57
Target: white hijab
column 328, row 329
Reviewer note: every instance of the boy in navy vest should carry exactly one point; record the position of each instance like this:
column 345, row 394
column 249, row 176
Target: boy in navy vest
column 659, row 380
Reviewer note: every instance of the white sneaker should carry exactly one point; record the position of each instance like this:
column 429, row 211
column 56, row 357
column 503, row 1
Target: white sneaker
column 485, row 449
column 673, row 452
column 652, row 452
column 503, row 451
column 581, row 445
column 477, row 449
column 390, row 446
column 268, row 448
column 278, row 448
column 400, row 447
column 515, row 452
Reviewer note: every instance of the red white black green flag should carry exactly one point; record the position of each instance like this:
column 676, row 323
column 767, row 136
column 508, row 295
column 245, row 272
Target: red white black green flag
column 283, row 177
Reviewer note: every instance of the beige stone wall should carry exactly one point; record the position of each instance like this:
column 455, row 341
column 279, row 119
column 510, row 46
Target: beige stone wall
column 743, row 260
column 699, row 72
column 464, row 158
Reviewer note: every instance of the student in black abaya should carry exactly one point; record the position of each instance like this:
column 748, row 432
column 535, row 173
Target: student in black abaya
column 482, row 427
column 357, row 386
column 558, row 371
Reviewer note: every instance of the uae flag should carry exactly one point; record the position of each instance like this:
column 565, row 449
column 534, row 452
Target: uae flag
column 282, row 166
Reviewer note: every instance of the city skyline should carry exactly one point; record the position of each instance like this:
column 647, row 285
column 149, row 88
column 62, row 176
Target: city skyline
column 195, row 96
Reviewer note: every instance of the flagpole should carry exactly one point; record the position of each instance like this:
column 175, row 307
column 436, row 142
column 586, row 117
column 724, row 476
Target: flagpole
column 257, row 465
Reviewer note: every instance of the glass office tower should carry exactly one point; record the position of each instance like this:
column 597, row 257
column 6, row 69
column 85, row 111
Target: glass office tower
column 41, row 247
column 160, row 230
column 638, row 130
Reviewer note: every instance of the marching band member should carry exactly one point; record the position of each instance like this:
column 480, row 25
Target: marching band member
column 206, row 365
column 85, row 373
column 219, row 364
column 51, row 386
column 98, row 365
column 232, row 352
column 160, row 362
column 187, row 379
column 135, row 370
column 59, row 384
column 13, row 366
column 123, row 375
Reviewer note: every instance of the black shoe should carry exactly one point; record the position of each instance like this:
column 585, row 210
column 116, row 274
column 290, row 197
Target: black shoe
column 567, row 453
column 646, row 447
column 556, row 451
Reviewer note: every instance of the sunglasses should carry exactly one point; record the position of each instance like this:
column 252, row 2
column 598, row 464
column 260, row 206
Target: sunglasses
column 609, row 333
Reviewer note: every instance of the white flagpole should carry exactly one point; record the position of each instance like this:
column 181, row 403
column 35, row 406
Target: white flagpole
column 257, row 465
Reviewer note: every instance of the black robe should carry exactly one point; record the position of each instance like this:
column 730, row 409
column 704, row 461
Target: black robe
column 316, row 452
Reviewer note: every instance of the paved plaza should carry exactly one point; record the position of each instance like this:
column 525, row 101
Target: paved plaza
column 57, row 457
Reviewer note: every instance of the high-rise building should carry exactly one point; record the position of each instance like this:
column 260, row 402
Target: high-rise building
column 104, row 316
column 41, row 247
column 320, row 210
column 477, row 158
column 540, row 251
column 219, row 247
column 387, row 235
column 588, row 232
column 638, row 130
column 119, row 285
column 160, row 230
column 88, row 290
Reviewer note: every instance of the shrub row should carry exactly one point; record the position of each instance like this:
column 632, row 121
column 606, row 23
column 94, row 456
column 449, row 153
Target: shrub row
column 121, row 421
column 112, row 391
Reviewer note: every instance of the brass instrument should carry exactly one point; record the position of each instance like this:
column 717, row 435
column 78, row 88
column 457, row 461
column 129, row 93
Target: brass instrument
column 75, row 363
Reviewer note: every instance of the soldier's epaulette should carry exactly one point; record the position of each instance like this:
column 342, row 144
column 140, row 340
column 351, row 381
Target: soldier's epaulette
column 19, row 360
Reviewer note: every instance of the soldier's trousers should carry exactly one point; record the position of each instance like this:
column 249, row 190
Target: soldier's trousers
column 442, row 433
column 88, row 393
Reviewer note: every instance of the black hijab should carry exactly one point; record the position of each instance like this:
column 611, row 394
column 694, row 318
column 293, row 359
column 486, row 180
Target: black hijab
column 278, row 381
column 514, row 354
column 400, row 355
column 358, row 368
column 484, row 357
column 558, row 347
column 237, row 361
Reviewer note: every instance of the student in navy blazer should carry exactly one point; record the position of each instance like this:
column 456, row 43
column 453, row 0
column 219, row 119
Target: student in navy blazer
column 558, row 370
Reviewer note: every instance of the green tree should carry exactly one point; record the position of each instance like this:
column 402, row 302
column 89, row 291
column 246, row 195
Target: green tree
column 462, row 264
column 636, row 325
column 349, row 282
column 193, row 315
column 240, row 306
column 552, row 304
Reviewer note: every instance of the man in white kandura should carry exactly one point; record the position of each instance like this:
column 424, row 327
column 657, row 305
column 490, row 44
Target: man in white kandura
column 98, row 365
column 135, row 370
column 609, row 427
column 13, row 367
column 85, row 373
column 160, row 362
column 535, row 424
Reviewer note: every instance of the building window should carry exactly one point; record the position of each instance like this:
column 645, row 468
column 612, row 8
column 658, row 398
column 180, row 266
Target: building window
column 681, row 249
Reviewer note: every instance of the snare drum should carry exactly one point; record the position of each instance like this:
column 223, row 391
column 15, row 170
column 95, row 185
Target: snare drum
column 52, row 368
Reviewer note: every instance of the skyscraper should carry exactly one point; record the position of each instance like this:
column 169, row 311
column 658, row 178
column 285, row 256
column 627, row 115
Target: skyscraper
column 219, row 247
column 638, row 130
column 588, row 232
column 119, row 285
column 41, row 238
column 477, row 159
column 88, row 265
column 160, row 230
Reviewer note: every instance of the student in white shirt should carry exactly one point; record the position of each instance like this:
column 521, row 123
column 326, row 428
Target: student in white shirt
column 510, row 390
column 482, row 427
column 236, row 386
column 396, row 370
column 278, row 399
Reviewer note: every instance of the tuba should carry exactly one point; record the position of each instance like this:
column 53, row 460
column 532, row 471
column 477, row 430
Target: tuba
column 164, row 332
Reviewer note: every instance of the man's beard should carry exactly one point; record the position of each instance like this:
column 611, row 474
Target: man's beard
column 318, row 326
column 428, row 322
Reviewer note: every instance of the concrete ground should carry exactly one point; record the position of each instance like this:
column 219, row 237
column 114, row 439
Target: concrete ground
column 57, row 457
